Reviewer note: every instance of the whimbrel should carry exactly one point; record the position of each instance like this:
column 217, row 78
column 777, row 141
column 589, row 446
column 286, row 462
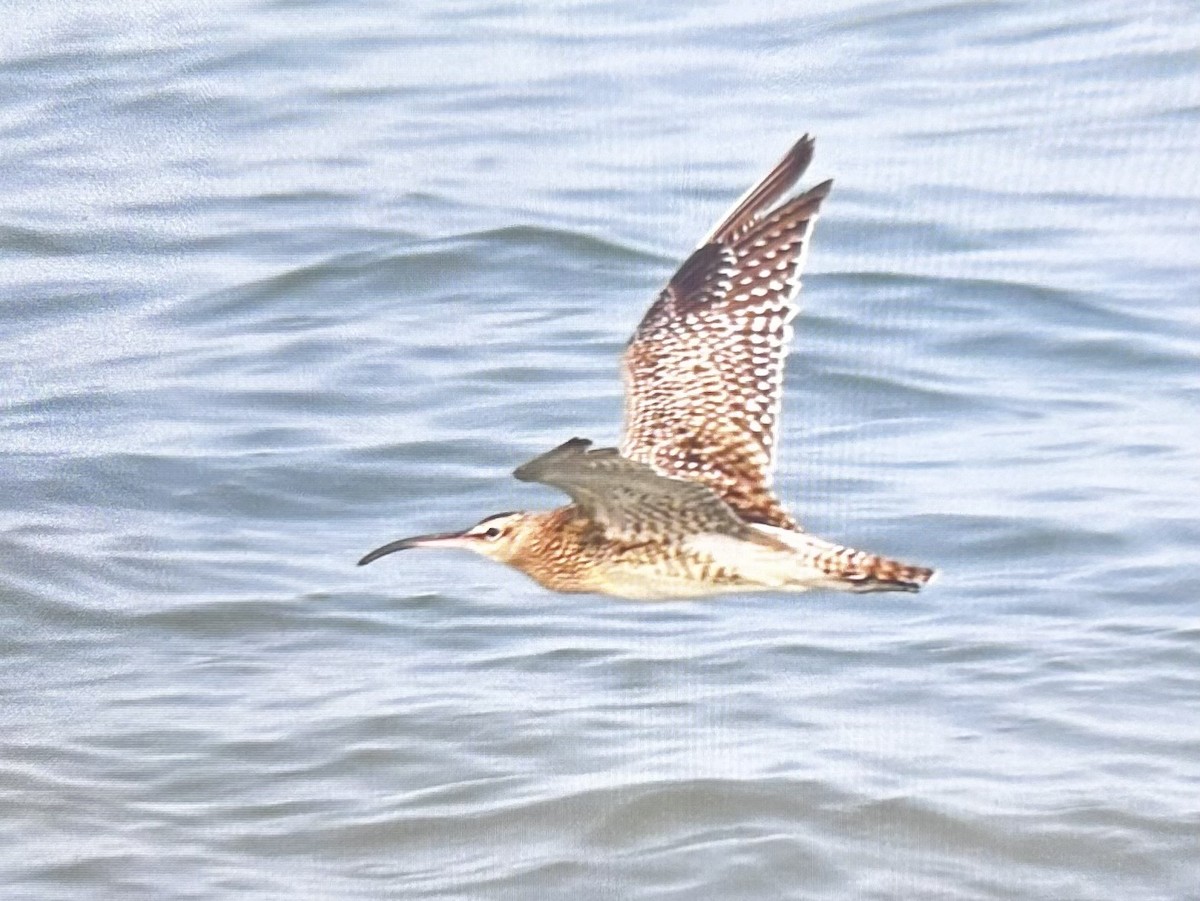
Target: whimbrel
column 685, row 508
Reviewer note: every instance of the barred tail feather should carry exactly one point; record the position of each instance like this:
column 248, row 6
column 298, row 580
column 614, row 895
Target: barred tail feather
column 847, row 569
column 875, row 573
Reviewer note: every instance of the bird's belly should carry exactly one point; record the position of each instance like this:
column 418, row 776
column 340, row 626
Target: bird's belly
column 649, row 584
column 693, row 576
column 634, row 582
column 709, row 564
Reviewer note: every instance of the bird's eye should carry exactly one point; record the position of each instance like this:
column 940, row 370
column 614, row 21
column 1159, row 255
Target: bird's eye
column 493, row 532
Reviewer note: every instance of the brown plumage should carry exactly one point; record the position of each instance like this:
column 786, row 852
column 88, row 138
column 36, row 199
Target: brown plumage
column 685, row 507
column 704, row 370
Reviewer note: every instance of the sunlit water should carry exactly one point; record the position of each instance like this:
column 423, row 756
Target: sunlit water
column 283, row 281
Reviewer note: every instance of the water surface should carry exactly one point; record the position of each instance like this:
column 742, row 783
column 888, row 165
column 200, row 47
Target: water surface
column 283, row 281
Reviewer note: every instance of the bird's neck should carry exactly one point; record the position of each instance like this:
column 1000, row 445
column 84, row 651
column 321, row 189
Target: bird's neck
column 552, row 549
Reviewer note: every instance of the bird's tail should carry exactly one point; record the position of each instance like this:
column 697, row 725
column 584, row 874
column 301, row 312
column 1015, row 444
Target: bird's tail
column 858, row 571
column 846, row 569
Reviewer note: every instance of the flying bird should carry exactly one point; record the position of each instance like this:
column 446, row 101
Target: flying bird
column 684, row 507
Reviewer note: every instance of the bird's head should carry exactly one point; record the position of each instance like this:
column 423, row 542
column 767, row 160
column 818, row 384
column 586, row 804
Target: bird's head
column 497, row 537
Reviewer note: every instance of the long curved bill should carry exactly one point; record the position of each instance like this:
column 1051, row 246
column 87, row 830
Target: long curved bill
column 442, row 539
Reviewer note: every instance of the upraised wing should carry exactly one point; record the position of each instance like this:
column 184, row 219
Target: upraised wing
column 704, row 370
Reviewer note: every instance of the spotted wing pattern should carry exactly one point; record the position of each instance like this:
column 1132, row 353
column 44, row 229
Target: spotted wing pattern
column 631, row 502
column 704, row 370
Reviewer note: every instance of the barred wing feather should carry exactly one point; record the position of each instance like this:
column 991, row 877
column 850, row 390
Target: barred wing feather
column 704, row 370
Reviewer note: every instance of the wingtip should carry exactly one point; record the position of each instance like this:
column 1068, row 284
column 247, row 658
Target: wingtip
column 532, row 470
column 764, row 194
column 804, row 147
column 822, row 189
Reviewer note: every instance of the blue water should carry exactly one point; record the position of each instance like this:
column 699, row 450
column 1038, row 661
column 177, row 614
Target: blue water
column 283, row 281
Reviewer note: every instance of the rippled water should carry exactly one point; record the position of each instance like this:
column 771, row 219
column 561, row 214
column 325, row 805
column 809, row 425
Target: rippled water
column 286, row 280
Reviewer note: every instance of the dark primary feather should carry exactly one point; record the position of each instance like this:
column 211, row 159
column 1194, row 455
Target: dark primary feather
column 763, row 195
column 704, row 370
